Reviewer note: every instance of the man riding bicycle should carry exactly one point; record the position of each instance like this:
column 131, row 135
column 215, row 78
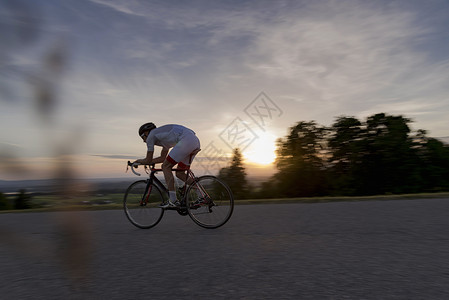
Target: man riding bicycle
column 185, row 145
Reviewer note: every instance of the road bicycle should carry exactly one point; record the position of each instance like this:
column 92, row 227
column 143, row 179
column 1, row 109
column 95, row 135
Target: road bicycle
column 207, row 200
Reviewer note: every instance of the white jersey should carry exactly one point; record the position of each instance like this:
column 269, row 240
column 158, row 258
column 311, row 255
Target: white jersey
column 167, row 136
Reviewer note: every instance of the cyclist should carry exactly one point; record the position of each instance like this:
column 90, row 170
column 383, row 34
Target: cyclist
column 185, row 145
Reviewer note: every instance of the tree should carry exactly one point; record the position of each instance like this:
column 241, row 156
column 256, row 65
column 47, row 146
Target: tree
column 346, row 147
column 434, row 162
column 235, row 176
column 390, row 163
column 23, row 200
column 375, row 157
column 4, row 203
column 379, row 156
column 301, row 161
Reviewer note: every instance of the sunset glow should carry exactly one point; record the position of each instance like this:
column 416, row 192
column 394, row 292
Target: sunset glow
column 262, row 151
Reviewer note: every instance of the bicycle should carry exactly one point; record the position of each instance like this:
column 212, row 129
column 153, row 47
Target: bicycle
column 207, row 200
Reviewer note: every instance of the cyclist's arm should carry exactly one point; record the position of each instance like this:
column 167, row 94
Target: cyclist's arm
column 160, row 159
column 147, row 160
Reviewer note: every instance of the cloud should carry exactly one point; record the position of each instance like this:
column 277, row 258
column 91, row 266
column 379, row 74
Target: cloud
column 344, row 56
column 333, row 57
column 336, row 46
column 123, row 7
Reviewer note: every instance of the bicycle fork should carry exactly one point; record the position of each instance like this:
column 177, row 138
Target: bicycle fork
column 146, row 195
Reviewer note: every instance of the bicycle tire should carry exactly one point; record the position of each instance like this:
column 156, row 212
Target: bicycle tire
column 213, row 210
column 145, row 215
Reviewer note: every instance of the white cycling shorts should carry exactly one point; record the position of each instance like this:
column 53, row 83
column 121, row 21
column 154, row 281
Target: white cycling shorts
column 182, row 151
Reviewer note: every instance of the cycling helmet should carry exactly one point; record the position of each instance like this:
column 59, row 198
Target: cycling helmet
column 146, row 127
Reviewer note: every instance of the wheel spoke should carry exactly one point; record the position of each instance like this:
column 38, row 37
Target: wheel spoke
column 206, row 193
column 141, row 205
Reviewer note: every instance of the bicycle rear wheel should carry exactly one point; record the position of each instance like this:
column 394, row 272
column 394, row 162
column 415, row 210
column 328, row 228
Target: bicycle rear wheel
column 142, row 206
column 210, row 202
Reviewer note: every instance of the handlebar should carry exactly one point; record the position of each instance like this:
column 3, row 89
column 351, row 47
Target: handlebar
column 132, row 165
column 136, row 165
column 152, row 168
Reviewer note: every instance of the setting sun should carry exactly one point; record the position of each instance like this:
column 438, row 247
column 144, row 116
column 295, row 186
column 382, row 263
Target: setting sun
column 262, row 150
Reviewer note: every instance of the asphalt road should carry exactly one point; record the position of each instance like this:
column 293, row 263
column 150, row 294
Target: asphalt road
column 346, row 250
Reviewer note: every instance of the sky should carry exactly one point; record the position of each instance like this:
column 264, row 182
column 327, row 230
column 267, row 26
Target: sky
column 77, row 78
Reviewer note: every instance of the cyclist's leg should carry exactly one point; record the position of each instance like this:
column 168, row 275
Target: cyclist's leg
column 183, row 153
column 182, row 173
column 175, row 156
column 167, row 167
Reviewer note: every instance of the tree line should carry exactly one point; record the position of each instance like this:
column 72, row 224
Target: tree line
column 380, row 155
column 21, row 201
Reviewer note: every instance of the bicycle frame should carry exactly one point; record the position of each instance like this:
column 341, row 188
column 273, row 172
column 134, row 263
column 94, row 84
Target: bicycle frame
column 154, row 180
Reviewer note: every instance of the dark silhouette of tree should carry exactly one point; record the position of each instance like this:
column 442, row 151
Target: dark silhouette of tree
column 22, row 200
column 235, row 176
column 389, row 160
column 4, row 203
column 434, row 164
column 346, row 147
column 300, row 161
column 379, row 156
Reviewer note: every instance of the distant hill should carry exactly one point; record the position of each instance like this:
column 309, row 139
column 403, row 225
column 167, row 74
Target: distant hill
column 48, row 185
column 10, row 186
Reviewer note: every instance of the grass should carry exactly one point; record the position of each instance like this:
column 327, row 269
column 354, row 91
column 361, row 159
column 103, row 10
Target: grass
column 114, row 201
column 344, row 198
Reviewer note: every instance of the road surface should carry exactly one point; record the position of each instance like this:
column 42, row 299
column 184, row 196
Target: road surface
column 344, row 250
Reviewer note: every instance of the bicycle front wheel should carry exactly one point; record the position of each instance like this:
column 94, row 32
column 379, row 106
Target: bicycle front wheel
column 210, row 202
column 141, row 204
